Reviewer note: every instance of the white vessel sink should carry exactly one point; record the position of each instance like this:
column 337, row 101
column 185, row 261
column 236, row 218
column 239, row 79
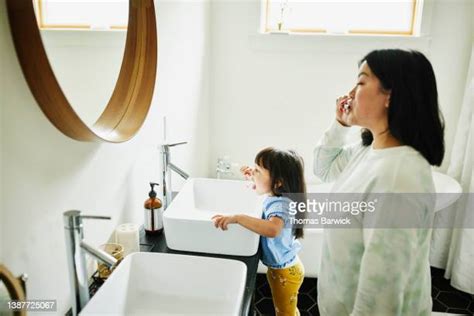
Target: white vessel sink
column 169, row 284
column 188, row 225
column 450, row 187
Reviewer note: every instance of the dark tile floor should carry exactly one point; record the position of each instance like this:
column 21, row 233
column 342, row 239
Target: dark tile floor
column 445, row 297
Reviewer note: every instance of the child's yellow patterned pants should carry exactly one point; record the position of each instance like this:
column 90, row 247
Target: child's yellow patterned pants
column 285, row 284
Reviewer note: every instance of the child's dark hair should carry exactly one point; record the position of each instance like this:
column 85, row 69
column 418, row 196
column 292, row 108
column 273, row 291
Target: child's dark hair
column 286, row 170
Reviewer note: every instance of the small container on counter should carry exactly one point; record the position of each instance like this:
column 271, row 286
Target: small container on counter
column 153, row 223
column 116, row 251
column 128, row 236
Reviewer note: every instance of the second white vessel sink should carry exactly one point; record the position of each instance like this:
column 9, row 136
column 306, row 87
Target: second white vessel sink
column 170, row 284
column 188, row 225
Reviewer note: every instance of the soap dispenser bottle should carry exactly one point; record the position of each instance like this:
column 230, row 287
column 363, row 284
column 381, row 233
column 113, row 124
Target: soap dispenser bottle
column 153, row 213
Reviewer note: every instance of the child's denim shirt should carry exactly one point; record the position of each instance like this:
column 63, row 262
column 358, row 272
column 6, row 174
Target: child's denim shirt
column 279, row 252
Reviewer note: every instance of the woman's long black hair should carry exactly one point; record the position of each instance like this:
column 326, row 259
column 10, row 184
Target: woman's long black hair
column 286, row 170
column 414, row 117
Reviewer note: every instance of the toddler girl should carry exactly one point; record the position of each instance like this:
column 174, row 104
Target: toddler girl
column 276, row 173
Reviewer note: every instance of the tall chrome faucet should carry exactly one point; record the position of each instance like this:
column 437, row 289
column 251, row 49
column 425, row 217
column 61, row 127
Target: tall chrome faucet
column 76, row 248
column 167, row 167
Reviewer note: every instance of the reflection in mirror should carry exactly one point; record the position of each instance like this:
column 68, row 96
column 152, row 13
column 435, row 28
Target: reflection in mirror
column 85, row 42
column 131, row 99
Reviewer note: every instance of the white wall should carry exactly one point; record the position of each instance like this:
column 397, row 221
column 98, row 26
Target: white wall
column 452, row 32
column 45, row 173
column 280, row 90
column 265, row 90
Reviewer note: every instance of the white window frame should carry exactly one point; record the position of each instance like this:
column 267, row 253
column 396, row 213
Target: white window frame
column 39, row 11
column 420, row 24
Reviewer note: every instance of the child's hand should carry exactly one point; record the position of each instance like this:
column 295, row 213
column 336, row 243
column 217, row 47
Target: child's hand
column 247, row 172
column 221, row 221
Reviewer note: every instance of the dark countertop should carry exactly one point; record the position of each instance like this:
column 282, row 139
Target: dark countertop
column 157, row 243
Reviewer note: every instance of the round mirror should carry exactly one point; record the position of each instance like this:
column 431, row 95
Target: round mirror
column 85, row 42
column 10, row 290
column 62, row 46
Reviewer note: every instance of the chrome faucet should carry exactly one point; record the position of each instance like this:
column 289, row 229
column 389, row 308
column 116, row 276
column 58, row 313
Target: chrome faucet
column 76, row 248
column 167, row 167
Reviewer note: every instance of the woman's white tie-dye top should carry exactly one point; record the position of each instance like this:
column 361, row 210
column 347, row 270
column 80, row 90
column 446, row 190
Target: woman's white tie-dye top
column 369, row 268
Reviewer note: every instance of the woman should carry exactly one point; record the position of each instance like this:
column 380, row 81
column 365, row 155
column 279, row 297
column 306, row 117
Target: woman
column 372, row 269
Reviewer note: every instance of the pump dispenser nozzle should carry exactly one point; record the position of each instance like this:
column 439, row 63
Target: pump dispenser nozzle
column 152, row 193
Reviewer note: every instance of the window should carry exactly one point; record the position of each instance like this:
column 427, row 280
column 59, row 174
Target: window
column 391, row 17
column 82, row 14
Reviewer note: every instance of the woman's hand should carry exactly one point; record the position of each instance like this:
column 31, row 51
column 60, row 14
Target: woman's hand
column 221, row 221
column 341, row 111
column 247, row 172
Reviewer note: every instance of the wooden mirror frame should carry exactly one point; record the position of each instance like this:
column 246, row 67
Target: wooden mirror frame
column 133, row 92
column 14, row 288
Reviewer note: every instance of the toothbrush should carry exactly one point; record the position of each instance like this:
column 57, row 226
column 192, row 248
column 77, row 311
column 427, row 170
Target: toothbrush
column 347, row 105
